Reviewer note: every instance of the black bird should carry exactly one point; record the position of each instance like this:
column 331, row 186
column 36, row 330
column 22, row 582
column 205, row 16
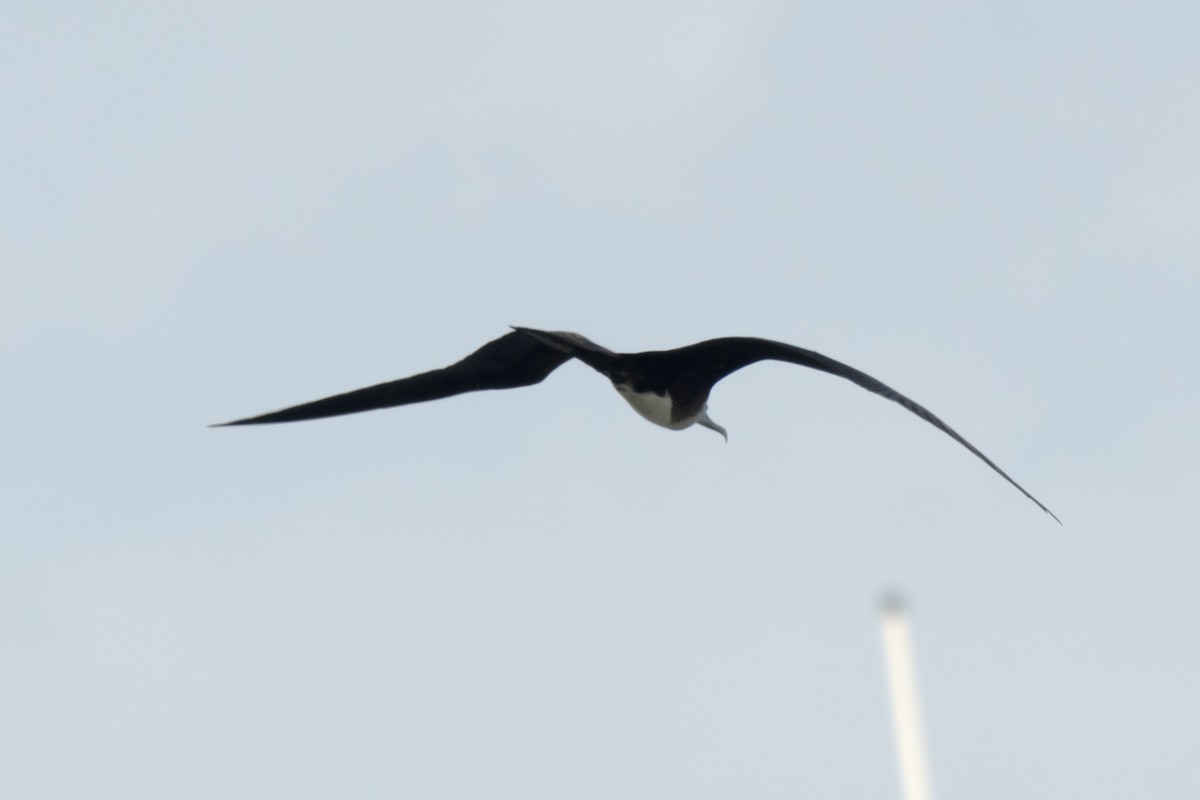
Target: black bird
column 668, row 387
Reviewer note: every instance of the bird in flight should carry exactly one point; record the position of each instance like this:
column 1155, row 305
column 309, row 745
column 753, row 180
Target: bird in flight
column 668, row 387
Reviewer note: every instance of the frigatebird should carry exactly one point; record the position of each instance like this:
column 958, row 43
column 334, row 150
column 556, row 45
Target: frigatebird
column 668, row 387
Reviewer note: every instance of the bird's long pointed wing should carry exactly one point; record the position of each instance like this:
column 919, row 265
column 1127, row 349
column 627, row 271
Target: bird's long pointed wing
column 513, row 360
column 574, row 344
column 723, row 356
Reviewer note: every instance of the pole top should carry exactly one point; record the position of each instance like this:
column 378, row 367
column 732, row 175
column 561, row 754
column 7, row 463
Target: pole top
column 893, row 602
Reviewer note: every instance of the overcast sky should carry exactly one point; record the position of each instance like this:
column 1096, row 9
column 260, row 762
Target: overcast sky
column 214, row 211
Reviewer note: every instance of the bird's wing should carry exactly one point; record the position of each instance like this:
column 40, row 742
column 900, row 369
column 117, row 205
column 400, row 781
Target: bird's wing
column 720, row 357
column 513, row 360
column 575, row 345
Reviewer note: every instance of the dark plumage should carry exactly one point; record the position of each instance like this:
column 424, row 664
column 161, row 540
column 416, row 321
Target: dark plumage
column 667, row 387
column 509, row 362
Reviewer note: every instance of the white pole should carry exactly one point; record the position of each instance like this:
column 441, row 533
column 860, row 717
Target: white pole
column 906, row 704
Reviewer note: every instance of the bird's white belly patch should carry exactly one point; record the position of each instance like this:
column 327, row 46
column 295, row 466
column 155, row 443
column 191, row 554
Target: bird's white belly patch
column 654, row 407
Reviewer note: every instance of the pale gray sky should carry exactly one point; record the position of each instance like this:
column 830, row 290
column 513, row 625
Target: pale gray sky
column 216, row 211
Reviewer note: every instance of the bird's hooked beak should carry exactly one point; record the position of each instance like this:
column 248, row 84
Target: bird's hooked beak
column 707, row 422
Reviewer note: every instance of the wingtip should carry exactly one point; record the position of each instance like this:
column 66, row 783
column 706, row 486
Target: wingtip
column 231, row 423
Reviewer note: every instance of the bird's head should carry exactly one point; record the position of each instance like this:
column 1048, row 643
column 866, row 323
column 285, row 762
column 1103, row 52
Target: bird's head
column 707, row 422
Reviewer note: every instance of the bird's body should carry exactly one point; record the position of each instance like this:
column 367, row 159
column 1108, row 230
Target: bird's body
column 658, row 408
column 667, row 387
